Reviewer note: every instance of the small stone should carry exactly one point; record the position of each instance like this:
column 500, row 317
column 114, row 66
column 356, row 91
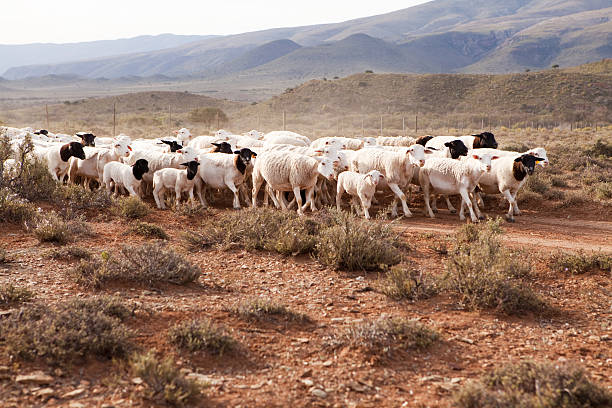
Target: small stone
column 74, row 393
column 4, row 369
column 317, row 392
column 456, row 380
column 137, row 380
column 302, row 340
column 605, row 337
column 433, row 378
column 37, row 377
column 44, row 392
column 307, row 382
column 328, row 363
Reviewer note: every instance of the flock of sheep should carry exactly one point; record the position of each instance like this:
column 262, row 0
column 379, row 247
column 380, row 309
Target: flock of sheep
column 290, row 166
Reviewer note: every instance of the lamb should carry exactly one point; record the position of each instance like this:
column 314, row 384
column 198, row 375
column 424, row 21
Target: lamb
column 448, row 176
column 339, row 142
column 183, row 135
column 178, row 180
column 123, row 175
column 358, row 185
column 159, row 160
column 286, row 137
column 58, row 158
column 396, row 167
column 92, row 168
column 288, row 171
column 395, row 141
column 219, row 170
column 507, row 176
column 476, row 141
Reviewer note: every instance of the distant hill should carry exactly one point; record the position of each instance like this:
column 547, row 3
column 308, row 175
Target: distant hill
column 440, row 36
column 47, row 54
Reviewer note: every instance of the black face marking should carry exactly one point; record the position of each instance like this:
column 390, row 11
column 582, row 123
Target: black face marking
column 457, row 148
column 72, row 149
column 139, row 168
column 222, row 147
column 88, row 138
column 192, row 169
column 42, row 132
column 423, row 140
column 174, row 145
column 484, row 140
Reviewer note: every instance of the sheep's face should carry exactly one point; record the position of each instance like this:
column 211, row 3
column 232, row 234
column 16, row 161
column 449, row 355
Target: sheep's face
column 484, row 140
column 122, row 149
column 327, row 167
column 540, row 152
column 376, row 176
column 485, row 160
column 416, row 154
column 369, row 141
column 188, row 154
column 183, row 134
column 76, row 150
column 457, row 148
column 222, row 147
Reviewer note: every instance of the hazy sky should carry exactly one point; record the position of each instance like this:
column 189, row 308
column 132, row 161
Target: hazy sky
column 59, row 21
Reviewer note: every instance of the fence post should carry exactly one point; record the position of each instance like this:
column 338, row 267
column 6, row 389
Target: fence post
column 381, row 125
column 404, row 125
column 284, row 120
column 169, row 119
column 47, row 114
column 416, row 123
column 362, row 129
column 114, row 118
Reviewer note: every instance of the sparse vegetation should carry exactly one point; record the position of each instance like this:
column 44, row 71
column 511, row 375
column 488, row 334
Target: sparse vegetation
column 383, row 336
column 485, row 275
column 3, row 256
column 401, row 283
column 164, row 380
column 70, row 252
column 15, row 209
column 532, row 384
column 336, row 239
column 51, row 228
column 76, row 198
column 10, row 295
column 149, row 230
column 201, row 334
column 68, row 330
column 266, row 309
column 209, row 116
column 132, row 207
column 581, row 262
column 149, row 263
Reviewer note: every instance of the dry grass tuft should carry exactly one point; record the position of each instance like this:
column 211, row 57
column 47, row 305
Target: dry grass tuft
column 202, row 334
column 132, row 207
column 400, row 283
column 10, row 295
column 581, row 262
column 149, row 230
column 266, row 309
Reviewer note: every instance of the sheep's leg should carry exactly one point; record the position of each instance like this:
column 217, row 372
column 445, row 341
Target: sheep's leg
column 244, row 193
column 434, row 203
column 424, row 180
column 508, row 196
column 475, row 206
column 365, row 205
column 191, row 198
column 159, row 201
column 298, row 199
column 199, row 185
column 231, row 186
column 131, row 190
column 339, row 192
column 479, row 199
column 398, row 192
column 310, row 199
column 257, row 182
column 177, row 204
column 466, row 198
column 277, row 200
column 515, row 204
column 450, row 207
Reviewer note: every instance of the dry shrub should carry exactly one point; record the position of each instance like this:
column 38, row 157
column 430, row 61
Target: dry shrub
column 3, row 256
column 379, row 337
column 75, row 197
column 202, row 334
column 68, row 330
column 351, row 243
column 164, row 380
column 70, row 252
column 10, row 295
column 334, row 238
column 581, row 262
column 530, row 384
column 485, row 274
column 15, row 209
column 149, row 263
column 149, row 230
column 401, row 283
column 132, row 207
column 266, row 309
column 600, row 148
column 50, row 227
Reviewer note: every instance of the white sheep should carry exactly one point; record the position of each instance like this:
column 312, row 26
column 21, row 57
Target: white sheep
column 58, row 158
column 288, row 171
column 476, row 141
column 405, row 141
column 449, row 176
column 220, row 170
column 358, row 185
column 92, row 168
column 286, row 137
column 117, row 175
column 395, row 166
column 340, row 142
column 179, row 180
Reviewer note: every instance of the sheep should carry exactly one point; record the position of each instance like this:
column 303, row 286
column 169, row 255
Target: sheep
column 396, row 167
column 254, row 134
column 340, row 143
column 219, row 170
column 159, row 160
column 178, row 180
column 92, row 168
column 173, row 145
column 58, row 158
column 358, row 185
column 476, row 141
column 183, row 135
column 423, row 140
column 395, row 141
column 206, row 142
column 288, row 171
column 117, row 175
column 449, row 176
column 88, row 139
column 286, row 137
column 507, row 176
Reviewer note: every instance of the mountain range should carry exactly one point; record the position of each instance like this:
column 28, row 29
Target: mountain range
column 441, row 36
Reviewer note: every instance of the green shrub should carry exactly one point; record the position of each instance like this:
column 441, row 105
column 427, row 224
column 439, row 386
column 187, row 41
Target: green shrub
column 266, row 309
column 76, row 197
column 384, row 335
column 132, row 207
column 355, row 244
column 581, row 262
column 10, row 294
column 485, row 275
column 149, row 230
column 164, row 380
column 68, row 330
column 531, row 384
column 203, row 334
column 400, row 283
column 149, row 263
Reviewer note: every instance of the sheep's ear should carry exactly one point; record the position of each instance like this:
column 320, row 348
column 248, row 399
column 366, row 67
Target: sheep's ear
column 117, row 145
column 448, row 144
column 175, row 132
column 537, row 159
column 475, row 156
column 236, row 151
column 130, row 148
column 185, row 164
column 215, row 144
column 429, row 151
column 519, row 159
column 253, row 154
column 494, row 157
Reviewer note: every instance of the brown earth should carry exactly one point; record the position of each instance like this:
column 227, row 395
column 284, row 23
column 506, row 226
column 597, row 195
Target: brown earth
column 280, row 363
